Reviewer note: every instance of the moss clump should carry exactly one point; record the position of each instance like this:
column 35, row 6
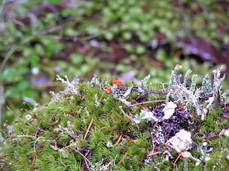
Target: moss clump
column 85, row 128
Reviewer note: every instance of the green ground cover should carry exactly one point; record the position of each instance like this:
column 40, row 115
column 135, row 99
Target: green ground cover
column 40, row 39
column 108, row 125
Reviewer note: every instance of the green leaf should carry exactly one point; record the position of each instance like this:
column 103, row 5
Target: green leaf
column 140, row 49
column 23, row 70
column 76, row 58
column 67, row 12
column 126, row 35
column 54, row 1
column 23, row 85
column 9, row 75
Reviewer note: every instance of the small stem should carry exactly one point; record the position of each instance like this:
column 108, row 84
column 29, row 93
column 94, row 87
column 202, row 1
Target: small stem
column 204, row 157
column 148, row 102
column 7, row 57
column 2, row 100
column 2, row 10
column 185, row 165
column 195, row 159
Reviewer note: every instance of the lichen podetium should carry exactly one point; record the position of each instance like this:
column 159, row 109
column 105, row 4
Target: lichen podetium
column 109, row 125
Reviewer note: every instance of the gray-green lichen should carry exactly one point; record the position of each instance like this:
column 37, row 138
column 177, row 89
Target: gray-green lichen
column 83, row 128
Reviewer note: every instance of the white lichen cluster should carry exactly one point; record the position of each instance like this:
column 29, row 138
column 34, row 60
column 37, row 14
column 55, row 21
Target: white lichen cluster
column 72, row 88
column 102, row 83
column 173, row 77
column 144, row 82
column 190, row 95
column 183, row 94
column 207, row 86
column 148, row 116
column 217, row 84
column 145, row 116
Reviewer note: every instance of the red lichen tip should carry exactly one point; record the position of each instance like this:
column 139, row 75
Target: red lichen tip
column 117, row 82
column 108, row 90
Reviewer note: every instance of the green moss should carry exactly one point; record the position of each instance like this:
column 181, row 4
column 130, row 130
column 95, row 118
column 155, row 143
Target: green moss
column 60, row 135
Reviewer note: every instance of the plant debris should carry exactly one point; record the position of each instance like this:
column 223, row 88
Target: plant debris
column 114, row 125
column 181, row 141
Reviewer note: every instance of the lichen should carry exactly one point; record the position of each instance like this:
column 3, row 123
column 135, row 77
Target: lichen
column 85, row 128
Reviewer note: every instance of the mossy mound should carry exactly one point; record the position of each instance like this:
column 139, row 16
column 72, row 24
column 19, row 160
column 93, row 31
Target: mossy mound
column 84, row 128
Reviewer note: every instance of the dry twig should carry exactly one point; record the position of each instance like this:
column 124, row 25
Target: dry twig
column 35, row 156
column 85, row 136
column 123, row 157
column 152, row 154
column 148, row 102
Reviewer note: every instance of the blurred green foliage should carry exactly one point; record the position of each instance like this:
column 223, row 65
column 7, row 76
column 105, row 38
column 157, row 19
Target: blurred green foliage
column 29, row 50
column 124, row 19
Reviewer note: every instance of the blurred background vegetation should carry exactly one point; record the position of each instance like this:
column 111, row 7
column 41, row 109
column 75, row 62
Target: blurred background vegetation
column 127, row 38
